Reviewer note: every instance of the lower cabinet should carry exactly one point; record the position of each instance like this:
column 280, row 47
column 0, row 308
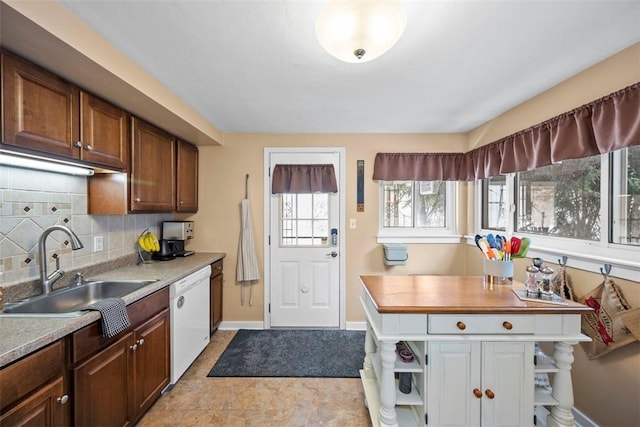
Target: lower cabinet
column 480, row 383
column 115, row 385
column 33, row 390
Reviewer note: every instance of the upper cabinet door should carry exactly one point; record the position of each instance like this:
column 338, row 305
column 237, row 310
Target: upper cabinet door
column 153, row 169
column 187, row 183
column 105, row 136
column 40, row 111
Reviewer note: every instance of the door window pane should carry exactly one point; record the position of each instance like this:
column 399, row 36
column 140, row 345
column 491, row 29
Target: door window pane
column 561, row 200
column 626, row 197
column 304, row 219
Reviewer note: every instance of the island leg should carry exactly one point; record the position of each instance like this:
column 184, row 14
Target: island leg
column 388, row 384
column 369, row 349
column 561, row 414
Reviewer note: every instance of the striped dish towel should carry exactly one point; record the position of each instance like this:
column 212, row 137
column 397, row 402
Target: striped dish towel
column 115, row 318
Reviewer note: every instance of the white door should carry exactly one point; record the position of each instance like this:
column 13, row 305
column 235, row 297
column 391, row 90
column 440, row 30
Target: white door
column 305, row 277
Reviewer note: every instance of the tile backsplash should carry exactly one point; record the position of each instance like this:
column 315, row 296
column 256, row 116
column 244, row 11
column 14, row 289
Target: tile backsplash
column 31, row 201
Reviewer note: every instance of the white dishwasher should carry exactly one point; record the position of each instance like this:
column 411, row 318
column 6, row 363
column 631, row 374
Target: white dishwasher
column 189, row 320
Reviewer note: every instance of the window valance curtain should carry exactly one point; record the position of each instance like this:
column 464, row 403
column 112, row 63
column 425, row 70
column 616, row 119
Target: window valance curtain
column 296, row 179
column 602, row 126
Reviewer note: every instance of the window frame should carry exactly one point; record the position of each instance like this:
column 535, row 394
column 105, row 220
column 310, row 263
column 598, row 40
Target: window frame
column 414, row 234
column 581, row 254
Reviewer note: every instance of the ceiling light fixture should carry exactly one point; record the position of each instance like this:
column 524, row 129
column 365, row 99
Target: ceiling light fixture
column 360, row 30
column 33, row 162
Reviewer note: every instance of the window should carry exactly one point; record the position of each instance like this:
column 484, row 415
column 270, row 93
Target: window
column 304, row 219
column 587, row 209
column 625, row 227
column 561, row 200
column 494, row 215
column 416, row 210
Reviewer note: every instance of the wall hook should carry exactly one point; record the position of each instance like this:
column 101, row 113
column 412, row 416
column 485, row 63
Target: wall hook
column 563, row 261
column 606, row 270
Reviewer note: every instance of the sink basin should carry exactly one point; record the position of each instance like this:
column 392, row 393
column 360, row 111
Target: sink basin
column 70, row 302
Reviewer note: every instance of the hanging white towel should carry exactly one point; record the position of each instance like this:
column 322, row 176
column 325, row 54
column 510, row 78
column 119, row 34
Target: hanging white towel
column 247, row 270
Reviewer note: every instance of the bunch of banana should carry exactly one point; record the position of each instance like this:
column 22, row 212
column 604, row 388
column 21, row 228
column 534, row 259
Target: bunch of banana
column 148, row 242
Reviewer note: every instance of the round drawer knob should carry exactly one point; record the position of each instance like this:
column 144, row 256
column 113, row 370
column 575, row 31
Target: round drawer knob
column 78, row 144
column 88, row 147
column 134, row 347
column 507, row 325
column 64, row 399
column 181, row 202
column 461, row 326
column 477, row 393
column 137, row 200
column 489, row 394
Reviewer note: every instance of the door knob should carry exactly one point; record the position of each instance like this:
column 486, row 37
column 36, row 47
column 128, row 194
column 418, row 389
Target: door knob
column 333, row 254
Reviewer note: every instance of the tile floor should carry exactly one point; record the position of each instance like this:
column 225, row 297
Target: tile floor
column 242, row 402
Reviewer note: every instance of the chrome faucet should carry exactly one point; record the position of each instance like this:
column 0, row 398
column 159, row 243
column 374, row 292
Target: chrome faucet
column 46, row 279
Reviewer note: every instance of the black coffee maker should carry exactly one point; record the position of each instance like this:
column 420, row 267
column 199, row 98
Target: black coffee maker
column 174, row 235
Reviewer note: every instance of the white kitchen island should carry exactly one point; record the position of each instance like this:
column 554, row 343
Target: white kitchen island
column 474, row 362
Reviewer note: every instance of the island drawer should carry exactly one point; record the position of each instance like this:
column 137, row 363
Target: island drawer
column 481, row 324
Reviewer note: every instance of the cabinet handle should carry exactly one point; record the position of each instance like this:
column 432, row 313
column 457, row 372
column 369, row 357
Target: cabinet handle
column 489, row 394
column 507, row 325
column 134, row 347
column 88, row 147
column 461, row 326
column 181, row 202
column 140, row 341
column 78, row 144
column 477, row 393
column 62, row 400
column 137, row 200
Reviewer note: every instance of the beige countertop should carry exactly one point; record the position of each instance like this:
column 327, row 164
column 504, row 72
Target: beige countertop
column 20, row 336
column 454, row 295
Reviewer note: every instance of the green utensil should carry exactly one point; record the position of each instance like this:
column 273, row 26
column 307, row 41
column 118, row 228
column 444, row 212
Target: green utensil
column 524, row 248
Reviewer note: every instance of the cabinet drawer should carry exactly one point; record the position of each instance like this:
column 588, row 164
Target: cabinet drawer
column 26, row 375
column 481, row 324
column 89, row 339
column 216, row 268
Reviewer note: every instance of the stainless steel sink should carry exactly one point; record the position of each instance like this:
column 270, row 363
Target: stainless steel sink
column 70, row 302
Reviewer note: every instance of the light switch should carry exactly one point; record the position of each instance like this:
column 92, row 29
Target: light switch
column 97, row 244
column 352, row 223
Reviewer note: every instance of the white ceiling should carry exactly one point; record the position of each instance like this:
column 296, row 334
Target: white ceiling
column 256, row 66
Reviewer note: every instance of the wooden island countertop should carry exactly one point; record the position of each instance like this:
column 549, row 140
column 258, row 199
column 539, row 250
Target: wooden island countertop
column 453, row 294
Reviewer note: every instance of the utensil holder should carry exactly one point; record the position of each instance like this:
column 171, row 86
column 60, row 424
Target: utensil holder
column 497, row 272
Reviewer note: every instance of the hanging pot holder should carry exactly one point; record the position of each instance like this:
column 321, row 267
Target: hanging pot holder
column 605, row 324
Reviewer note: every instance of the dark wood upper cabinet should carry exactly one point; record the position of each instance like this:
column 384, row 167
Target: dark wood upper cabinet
column 187, row 182
column 40, row 111
column 46, row 114
column 105, row 133
column 153, row 169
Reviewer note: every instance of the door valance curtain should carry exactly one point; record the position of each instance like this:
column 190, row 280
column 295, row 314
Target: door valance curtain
column 297, row 179
column 602, row 126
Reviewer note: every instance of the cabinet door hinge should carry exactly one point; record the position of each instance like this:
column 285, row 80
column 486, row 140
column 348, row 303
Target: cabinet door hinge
column 269, row 240
column 426, row 359
column 535, row 420
column 535, row 360
column 426, row 418
column 269, row 308
column 269, row 170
